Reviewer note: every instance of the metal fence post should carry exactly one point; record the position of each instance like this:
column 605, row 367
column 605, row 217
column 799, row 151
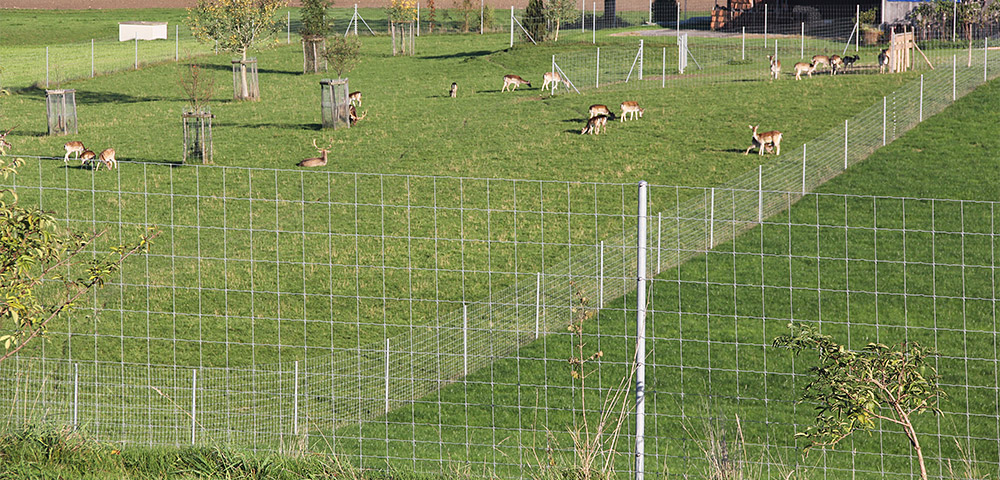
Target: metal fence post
column 743, row 45
column 295, row 392
column 883, row 120
column 598, row 85
column 386, row 376
column 642, row 56
column 765, row 25
column 512, row 25
column 640, row 342
column 954, row 76
column 177, row 42
column 760, row 193
column 857, row 28
column 554, row 84
column 986, row 50
column 194, row 404
column 76, row 396
column 418, row 19
column 593, row 32
column 137, row 52
column 659, row 237
column 465, row 340
column 288, row 27
column 803, row 169
column 600, row 288
column 845, row 144
column 538, row 303
column 921, row 115
column 802, row 43
column 663, row 73
column 711, row 222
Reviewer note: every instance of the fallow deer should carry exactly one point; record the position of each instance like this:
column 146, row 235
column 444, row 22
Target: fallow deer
column 595, row 124
column 803, row 67
column 775, row 67
column 883, row 60
column 836, row 63
column 454, row 90
column 107, row 157
column 551, row 78
column 631, row 108
column 513, row 80
column 760, row 141
column 87, row 156
column 818, row 60
column 317, row 161
column 73, row 147
column 4, row 144
column 355, row 98
column 598, row 109
column 353, row 115
column 850, row 60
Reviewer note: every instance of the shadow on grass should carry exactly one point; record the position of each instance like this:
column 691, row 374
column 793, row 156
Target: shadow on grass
column 311, row 127
column 88, row 98
column 229, row 68
column 477, row 53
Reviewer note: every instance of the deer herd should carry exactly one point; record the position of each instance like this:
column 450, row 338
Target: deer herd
column 87, row 157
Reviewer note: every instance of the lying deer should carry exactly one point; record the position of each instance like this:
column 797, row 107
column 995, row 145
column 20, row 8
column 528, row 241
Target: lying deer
column 355, row 97
column 883, row 60
column 551, row 78
column 631, row 108
column 803, row 67
column 73, row 147
column 107, row 157
column 761, row 141
column 317, row 161
column 775, row 67
column 836, row 63
column 821, row 60
column 353, row 115
column 596, row 110
column 595, row 124
column 513, row 80
column 454, row 90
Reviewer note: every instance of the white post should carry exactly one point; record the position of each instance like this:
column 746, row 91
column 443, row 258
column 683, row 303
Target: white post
column 954, row 76
column 663, row 72
column 883, row 120
column 538, row 303
column 760, row 193
column 137, row 52
column 845, row 144
column 921, row 117
column 765, row 25
column 659, row 237
column 954, row 20
column 986, row 50
column 593, row 31
column 512, row 25
column 386, row 375
column 177, row 42
column 640, row 341
column 711, row 222
column 295, row 392
column 554, row 84
column 642, row 55
column 356, row 20
column 598, row 85
column 775, row 48
column 194, row 403
column 857, row 28
column 802, row 42
column 288, row 27
column 418, row 19
column 76, row 396
column 803, row 169
column 465, row 339
column 600, row 288
column 678, row 19
column 92, row 58
column 481, row 16
column 743, row 46
column 651, row 11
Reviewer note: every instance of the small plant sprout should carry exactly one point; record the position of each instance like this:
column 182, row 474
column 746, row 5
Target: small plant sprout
column 853, row 388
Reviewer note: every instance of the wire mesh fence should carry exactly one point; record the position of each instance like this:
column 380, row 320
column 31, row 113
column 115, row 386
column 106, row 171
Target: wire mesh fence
column 422, row 322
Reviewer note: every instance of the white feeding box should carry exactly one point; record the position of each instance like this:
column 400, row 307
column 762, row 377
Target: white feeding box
column 142, row 30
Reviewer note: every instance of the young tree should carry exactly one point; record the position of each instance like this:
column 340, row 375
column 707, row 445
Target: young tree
column 343, row 53
column 534, row 20
column 559, row 11
column 197, row 86
column 854, row 388
column 431, row 15
column 314, row 30
column 32, row 251
column 237, row 25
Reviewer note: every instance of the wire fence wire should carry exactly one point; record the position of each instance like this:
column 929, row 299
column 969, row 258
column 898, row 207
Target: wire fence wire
column 422, row 321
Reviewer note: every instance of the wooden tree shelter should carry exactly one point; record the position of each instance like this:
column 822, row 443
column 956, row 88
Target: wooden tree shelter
column 900, row 51
column 197, row 135
column 253, row 91
column 60, row 107
column 334, row 103
column 313, row 60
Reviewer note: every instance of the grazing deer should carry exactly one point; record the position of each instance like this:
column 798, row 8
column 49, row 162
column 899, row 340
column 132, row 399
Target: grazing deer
column 87, row 156
column 107, row 157
column 454, row 90
column 883, row 60
column 820, row 60
column 596, row 110
column 353, row 115
column 775, row 67
column 551, row 78
column 317, row 161
column 803, row 67
column 4, row 144
column 73, row 147
column 355, row 98
column 595, row 124
column 761, row 141
column 631, row 108
column 836, row 63
column 513, row 80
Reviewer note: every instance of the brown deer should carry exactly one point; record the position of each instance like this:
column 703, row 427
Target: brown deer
column 4, row 144
column 454, row 90
column 514, row 80
column 803, row 67
column 551, row 78
column 107, row 157
column 355, row 97
column 317, row 161
column 87, row 156
column 883, row 60
column 353, row 115
column 836, row 63
column 73, row 147
column 595, row 124
column 598, row 109
column 631, row 108
column 818, row 60
column 761, row 141
column 775, row 67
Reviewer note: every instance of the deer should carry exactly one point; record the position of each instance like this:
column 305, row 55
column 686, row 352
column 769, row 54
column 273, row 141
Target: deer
column 551, row 78
column 353, row 115
column 850, row 60
column 355, row 97
column 4, row 144
column 513, row 80
column 73, row 147
column 595, row 124
column 454, row 90
column 317, row 161
column 775, row 67
column 596, row 110
column 107, row 157
column 87, row 156
column 836, row 63
column 803, row 67
column 883, row 60
column 760, row 141
column 821, row 60
column 631, row 108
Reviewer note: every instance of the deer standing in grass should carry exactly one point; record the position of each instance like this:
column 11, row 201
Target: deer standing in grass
column 319, row 161
column 73, row 147
column 595, row 124
column 353, row 115
column 4, row 144
column 355, row 98
column 883, row 60
column 454, row 90
column 107, row 157
column 598, row 109
column 514, row 80
column 631, row 108
column 775, row 67
column 818, row 60
column 87, row 156
column 551, row 78
column 762, row 140
column 836, row 63
column 803, row 67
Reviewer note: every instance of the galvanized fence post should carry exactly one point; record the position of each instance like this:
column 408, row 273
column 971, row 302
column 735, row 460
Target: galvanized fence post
column 640, row 347
column 883, row 120
column 538, row 303
column 465, row 340
column 76, row 396
column 804, row 169
column 295, row 392
column 845, row 144
column 921, row 114
column 760, row 193
column 194, row 404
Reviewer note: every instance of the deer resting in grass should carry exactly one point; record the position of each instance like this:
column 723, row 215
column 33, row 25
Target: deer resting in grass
column 803, row 67
column 762, row 140
column 107, row 157
column 73, row 147
column 775, row 67
column 595, row 124
column 319, row 161
column 631, row 108
column 514, row 80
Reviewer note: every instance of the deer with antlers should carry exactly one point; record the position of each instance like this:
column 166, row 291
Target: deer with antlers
column 353, row 115
column 4, row 144
column 319, row 161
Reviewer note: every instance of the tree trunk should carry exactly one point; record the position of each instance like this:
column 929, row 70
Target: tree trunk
column 244, row 90
column 557, row 30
